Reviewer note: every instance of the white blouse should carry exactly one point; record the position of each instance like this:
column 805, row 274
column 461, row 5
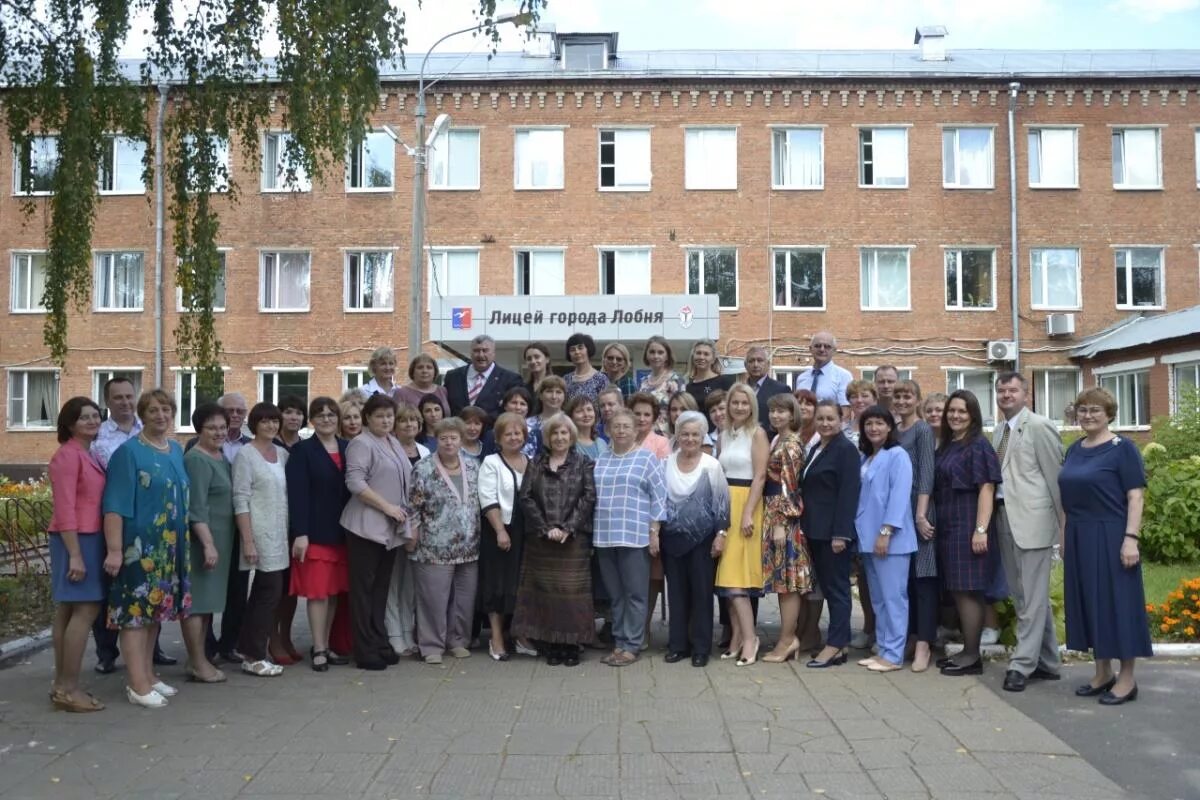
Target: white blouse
column 496, row 486
column 260, row 490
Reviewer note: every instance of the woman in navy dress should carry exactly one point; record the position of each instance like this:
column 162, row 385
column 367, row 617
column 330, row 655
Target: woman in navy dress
column 966, row 472
column 1102, row 483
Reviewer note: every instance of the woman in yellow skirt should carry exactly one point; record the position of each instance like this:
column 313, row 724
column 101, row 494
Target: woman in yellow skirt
column 743, row 454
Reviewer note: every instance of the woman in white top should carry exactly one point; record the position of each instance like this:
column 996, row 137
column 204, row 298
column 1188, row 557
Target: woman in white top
column 261, row 512
column 382, row 366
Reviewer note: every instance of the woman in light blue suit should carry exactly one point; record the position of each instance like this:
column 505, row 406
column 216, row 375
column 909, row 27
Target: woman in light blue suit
column 887, row 537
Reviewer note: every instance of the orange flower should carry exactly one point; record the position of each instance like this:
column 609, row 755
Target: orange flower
column 1189, row 630
column 1164, row 627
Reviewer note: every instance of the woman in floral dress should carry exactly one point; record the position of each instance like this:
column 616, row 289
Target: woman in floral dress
column 663, row 381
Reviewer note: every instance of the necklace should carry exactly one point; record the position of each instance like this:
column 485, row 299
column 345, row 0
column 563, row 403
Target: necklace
column 164, row 447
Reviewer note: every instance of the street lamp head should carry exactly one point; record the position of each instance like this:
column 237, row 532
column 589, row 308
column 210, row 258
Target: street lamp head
column 520, row 20
column 440, row 124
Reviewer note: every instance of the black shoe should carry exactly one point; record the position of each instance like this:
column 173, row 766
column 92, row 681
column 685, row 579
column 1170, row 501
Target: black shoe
column 954, row 670
column 337, row 660
column 837, row 660
column 1087, row 690
column 1110, row 699
column 700, row 660
column 319, row 659
column 1014, row 681
column 106, row 666
column 389, row 657
column 571, row 659
column 675, row 655
column 164, row 660
column 373, row 666
column 945, row 661
column 233, row 657
column 554, row 659
column 1043, row 674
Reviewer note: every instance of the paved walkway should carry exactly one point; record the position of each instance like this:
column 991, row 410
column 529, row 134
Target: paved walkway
column 475, row 728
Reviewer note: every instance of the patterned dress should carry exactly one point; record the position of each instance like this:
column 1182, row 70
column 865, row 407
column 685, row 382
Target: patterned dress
column 662, row 390
column 786, row 567
column 959, row 470
column 589, row 387
column 448, row 518
column 148, row 488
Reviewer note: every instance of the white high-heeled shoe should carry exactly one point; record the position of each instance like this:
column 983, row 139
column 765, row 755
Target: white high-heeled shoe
column 166, row 690
column 151, row 699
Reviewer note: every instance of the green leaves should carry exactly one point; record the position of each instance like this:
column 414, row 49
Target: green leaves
column 1171, row 520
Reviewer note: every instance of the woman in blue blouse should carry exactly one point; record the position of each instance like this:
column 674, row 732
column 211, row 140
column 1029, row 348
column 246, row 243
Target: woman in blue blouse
column 631, row 497
column 1103, row 482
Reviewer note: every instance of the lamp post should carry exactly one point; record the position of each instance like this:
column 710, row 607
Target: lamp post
column 420, row 153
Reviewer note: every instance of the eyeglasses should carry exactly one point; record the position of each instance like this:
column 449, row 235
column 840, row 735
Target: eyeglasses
column 614, row 358
column 1089, row 411
column 820, row 346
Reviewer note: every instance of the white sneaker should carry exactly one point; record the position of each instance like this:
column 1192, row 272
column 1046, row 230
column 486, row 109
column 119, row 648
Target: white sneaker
column 861, row 640
column 990, row 636
column 165, row 690
column 263, row 668
column 151, row 699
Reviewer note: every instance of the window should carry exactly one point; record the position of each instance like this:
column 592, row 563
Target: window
column 219, row 149
column 354, row 377
column 1053, row 391
column 797, row 158
column 883, row 157
column 285, row 281
column 280, row 173
column 1137, row 160
column 1139, row 277
column 1053, row 158
column 372, row 163
column 714, row 271
column 32, row 399
column 454, row 160
column 276, row 384
column 585, row 56
column 625, row 271
column 453, row 273
column 884, row 279
column 188, row 396
column 218, row 290
column 1132, row 391
column 539, row 159
column 37, row 163
column 786, row 375
column 119, row 282
column 1185, row 381
column 625, row 160
column 903, row 373
column 28, row 281
column 121, row 166
column 1054, row 278
column 369, row 280
column 710, row 158
column 967, row 158
column 981, row 383
column 540, row 272
column 970, row 279
column 102, row 375
column 800, row 278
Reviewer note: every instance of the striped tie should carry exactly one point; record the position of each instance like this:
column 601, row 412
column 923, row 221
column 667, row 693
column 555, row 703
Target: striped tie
column 1003, row 442
column 476, row 387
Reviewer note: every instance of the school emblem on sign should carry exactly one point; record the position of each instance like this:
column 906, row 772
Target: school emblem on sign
column 686, row 315
column 460, row 318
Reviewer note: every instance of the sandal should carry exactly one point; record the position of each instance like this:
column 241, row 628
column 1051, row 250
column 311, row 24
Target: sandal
column 65, row 702
column 320, row 660
column 262, row 668
column 195, row 677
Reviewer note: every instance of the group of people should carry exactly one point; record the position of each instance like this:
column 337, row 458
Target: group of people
column 410, row 515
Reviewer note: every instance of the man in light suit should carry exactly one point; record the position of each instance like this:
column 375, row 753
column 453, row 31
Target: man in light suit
column 758, row 377
column 481, row 383
column 1029, row 517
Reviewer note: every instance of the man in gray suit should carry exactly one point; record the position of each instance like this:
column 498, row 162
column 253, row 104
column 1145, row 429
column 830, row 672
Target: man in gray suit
column 1029, row 517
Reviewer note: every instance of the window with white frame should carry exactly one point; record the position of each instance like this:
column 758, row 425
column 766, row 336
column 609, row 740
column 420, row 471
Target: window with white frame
column 1054, row 278
column 538, row 159
column 979, row 382
column 280, row 171
column 28, row 282
column 584, row 56
column 189, row 395
column 1054, row 391
column 798, row 158
column 539, row 272
column 210, row 146
column 1139, row 277
column 120, row 284
column 284, row 281
column 625, row 159
column 799, row 278
column 121, row 166
column 884, row 279
column 32, row 399
column 454, row 159
column 1184, row 384
column 1132, row 392
column 354, row 378
column 967, row 161
column 102, row 375
column 710, row 158
column 371, row 163
column 902, row 373
column 219, row 292
column 453, row 273
column 1054, row 158
column 713, row 270
column 625, row 270
column 786, row 375
column 1137, row 158
column 37, row 163
column 883, row 157
column 274, row 384
column 970, row 279
column 369, row 280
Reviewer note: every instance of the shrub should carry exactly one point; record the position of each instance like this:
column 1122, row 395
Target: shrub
column 1180, row 432
column 1171, row 519
column 1178, row 619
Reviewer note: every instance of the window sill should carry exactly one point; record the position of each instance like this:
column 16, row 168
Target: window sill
column 370, row 189
column 798, row 188
column 454, row 188
column 885, row 310
column 1123, row 188
column 885, row 188
column 800, row 309
column 216, row 310
column 137, row 310
column 960, row 188
column 262, row 310
column 623, row 188
column 369, row 310
column 19, row 193
column 1046, row 186
column 1131, row 428
column 972, row 308
column 27, row 311
column 1141, row 308
column 122, row 193
column 1057, row 309
column 30, row 429
column 710, row 188
column 537, row 188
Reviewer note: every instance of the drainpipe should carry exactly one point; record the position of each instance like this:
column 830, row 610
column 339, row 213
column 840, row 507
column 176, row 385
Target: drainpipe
column 159, row 215
column 1014, row 270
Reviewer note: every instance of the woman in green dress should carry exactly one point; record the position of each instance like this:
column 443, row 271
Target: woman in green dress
column 145, row 532
column 211, row 537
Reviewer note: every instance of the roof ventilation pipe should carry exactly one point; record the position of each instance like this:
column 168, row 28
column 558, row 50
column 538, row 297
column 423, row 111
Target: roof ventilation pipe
column 932, row 39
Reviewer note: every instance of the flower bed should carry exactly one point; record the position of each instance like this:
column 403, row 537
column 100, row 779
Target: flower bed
column 1178, row 618
column 25, row 603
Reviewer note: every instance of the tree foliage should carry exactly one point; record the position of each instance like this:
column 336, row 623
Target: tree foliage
column 60, row 66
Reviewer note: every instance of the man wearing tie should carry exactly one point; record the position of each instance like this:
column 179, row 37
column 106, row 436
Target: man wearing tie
column 825, row 379
column 1028, row 517
column 758, row 367
column 481, row 383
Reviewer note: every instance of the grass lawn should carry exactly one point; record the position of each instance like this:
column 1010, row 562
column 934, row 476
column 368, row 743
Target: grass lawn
column 1160, row 579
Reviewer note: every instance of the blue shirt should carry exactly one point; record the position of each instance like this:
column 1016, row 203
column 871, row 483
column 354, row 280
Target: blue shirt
column 631, row 492
column 831, row 383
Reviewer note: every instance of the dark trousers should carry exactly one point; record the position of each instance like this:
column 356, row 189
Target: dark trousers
column 370, row 577
column 833, row 575
column 235, row 607
column 924, row 602
column 259, row 620
column 689, row 596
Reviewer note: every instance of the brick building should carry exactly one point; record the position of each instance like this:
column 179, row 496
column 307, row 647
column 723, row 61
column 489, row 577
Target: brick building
column 863, row 192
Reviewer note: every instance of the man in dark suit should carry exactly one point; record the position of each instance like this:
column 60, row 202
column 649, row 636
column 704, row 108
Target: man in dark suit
column 481, row 383
column 758, row 368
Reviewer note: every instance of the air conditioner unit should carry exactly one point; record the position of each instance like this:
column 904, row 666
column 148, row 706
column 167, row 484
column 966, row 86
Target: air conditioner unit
column 1004, row 350
column 1060, row 324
